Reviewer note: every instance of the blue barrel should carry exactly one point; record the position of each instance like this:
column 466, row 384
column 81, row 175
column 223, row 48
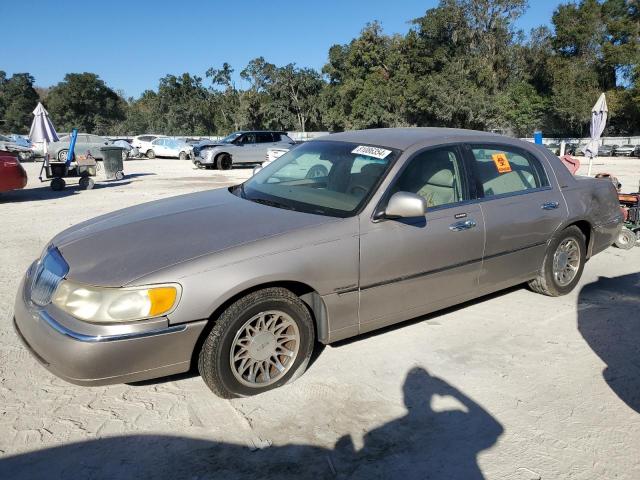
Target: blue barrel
column 537, row 137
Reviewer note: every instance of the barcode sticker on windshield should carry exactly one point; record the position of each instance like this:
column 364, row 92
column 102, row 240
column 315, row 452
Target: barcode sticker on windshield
column 374, row 152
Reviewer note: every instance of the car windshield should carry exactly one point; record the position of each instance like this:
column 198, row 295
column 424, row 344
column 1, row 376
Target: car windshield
column 231, row 138
column 323, row 177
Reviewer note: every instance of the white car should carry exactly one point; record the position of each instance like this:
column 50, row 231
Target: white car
column 242, row 148
column 143, row 142
column 168, row 147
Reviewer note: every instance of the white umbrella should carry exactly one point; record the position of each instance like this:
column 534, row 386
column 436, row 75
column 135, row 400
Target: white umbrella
column 599, row 114
column 42, row 129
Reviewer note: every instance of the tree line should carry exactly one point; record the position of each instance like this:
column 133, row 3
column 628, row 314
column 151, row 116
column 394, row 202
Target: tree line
column 463, row 64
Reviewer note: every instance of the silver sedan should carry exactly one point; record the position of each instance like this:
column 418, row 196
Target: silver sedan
column 243, row 282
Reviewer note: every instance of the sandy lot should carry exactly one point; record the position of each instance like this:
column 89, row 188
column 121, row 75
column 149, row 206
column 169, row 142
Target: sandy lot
column 512, row 386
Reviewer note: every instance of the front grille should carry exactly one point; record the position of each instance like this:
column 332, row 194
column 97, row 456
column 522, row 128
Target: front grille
column 49, row 272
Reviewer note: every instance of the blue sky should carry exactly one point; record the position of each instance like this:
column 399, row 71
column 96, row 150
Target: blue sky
column 131, row 44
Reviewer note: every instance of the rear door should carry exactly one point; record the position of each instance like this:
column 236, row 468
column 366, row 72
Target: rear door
column 409, row 267
column 264, row 141
column 522, row 207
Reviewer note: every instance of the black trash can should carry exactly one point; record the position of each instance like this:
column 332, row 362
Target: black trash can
column 112, row 162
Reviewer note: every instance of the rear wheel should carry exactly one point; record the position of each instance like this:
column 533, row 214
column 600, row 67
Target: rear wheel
column 62, row 155
column 151, row 154
column 58, row 184
column 260, row 342
column 182, row 156
column 86, row 183
column 626, row 239
column 198, row 164
column 563, row 263
column 223, row 161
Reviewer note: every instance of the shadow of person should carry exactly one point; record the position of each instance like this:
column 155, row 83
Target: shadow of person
column 425, row 443
column 609, row 320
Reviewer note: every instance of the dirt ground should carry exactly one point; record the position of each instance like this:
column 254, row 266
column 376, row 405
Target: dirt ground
column 511, row 386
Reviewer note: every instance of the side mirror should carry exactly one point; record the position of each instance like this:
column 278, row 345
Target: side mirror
column 405, row 205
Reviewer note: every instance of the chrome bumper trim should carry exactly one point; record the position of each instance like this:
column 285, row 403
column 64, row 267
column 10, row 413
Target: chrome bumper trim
column 81, row 337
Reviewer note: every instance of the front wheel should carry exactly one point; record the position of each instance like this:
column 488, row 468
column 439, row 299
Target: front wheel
column 62, row 155
column 260, row 342
column 151, row 154
column 223, row 161
column 563, row 263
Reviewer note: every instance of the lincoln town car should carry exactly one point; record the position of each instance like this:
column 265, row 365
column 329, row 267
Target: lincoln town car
column 243, row 282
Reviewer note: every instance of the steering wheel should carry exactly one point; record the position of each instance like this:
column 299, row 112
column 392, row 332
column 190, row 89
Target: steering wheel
column 355, row 188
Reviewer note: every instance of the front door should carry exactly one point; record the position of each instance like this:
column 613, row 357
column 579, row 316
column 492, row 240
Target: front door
column 411, row 267
column 522, row 207
column 245, row 149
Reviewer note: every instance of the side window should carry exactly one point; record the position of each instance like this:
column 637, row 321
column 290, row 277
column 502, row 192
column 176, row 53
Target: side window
column 263, row 137
column 276, row 137
column 435, row 175
column 249, row 138
column 500, row 170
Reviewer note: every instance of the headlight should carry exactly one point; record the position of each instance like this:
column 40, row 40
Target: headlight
column 112, row 305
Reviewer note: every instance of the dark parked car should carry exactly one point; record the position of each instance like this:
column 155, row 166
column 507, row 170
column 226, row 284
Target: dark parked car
column 245, row 280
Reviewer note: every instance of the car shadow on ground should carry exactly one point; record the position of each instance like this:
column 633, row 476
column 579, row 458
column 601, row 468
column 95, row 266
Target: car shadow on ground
column 424, row 443
column 609, row 320
column 46, row 193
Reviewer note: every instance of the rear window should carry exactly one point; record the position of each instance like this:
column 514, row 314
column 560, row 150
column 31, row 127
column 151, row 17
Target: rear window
column 502, row 170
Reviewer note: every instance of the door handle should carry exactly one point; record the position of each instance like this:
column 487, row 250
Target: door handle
column 460, row 226
column 549, row 205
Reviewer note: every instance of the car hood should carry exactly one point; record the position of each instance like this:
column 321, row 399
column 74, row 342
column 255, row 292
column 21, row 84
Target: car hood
column 120, row 247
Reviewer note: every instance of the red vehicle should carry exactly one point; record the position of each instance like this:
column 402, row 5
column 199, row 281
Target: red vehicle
column 12, row 175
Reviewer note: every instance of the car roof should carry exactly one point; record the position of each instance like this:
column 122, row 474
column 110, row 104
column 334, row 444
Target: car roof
column 403, row 138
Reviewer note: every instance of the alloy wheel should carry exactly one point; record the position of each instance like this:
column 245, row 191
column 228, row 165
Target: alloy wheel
column 566, row 262
column 264, row 348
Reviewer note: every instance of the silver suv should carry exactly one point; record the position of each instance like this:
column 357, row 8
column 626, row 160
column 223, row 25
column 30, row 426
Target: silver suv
column 241, row 147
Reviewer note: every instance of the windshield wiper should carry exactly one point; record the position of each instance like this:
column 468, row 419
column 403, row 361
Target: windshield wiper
column 271, row 203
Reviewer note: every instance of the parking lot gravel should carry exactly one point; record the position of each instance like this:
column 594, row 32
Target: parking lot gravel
column 510, row 386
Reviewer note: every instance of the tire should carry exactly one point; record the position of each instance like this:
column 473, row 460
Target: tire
column 182, row 155
column 58, row 184
column 151, row 154
column 125, row 155
column 119, row 175
column 223, row 161
column 62, row 155
column 86, row 183
column 273, row 305
column 547, row 283
column 198, row 164
column 626, row 239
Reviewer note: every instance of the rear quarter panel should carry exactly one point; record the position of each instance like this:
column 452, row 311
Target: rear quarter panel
column 595, row 201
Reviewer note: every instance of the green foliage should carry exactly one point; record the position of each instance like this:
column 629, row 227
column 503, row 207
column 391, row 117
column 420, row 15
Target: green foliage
column 83, row 101
column 462, row 64
column 18, row 98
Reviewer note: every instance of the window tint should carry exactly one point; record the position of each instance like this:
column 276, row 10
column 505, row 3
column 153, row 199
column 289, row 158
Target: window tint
column 501, row 170
column 248, row 138
column 435, row 175
column 276, row 137
column 264, row 137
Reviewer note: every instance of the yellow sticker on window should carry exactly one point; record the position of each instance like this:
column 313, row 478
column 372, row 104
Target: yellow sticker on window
column 502, row 163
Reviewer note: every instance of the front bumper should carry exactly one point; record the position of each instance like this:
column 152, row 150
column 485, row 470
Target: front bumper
column 88, row 354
